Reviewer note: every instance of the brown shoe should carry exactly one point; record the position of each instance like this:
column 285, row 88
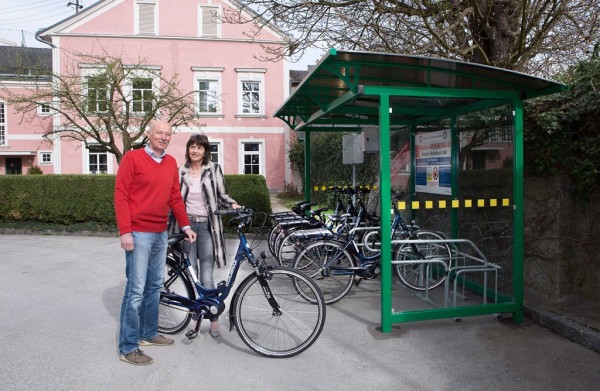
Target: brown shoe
column 159, row 340
column 137, row 357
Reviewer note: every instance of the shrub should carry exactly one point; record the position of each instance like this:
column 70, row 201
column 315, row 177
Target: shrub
column 34, row 170
column 74, row 199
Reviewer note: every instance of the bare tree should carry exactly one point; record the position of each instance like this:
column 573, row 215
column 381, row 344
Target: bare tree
column 537, row 36
column 105, row 102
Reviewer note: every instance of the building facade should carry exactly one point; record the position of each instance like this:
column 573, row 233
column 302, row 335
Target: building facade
column 235, row 93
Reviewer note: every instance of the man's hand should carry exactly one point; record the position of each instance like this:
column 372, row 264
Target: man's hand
column 191, row 235
column 127, row 242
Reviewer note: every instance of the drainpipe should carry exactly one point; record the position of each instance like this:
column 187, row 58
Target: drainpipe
column 37, row 38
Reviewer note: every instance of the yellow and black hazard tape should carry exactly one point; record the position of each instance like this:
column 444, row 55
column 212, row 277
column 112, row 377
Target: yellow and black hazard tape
column 454, row 204
column 327, row 188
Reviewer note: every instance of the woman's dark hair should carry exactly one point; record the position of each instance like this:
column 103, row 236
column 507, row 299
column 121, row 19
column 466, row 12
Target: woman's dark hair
column 201, row 141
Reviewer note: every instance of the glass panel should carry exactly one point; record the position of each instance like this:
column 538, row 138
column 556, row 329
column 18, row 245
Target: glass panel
column 97, row 99
column 142, row 95
column 251, row 158
column 2, row 124
column 214, row 152
column 207, row 96
column 251, row 97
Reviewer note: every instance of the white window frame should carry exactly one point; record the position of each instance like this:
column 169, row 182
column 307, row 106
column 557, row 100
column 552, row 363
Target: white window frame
column 42, row 161
column 242, row 154
column 151, row 73
column 219, row 144
column 253, row 75
column 144, row 92
column 208, row 74
column 89, row 72
column 44, row 109
column 86, row 160
column 3, row 123
column 203, row 12
column 136, row 16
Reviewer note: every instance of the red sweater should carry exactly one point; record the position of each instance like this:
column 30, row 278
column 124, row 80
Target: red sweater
column 145, row 191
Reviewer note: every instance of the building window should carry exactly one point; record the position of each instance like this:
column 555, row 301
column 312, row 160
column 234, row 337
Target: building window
column 251, row 97
column 147, row 18
column 2, row 123
column 142, row 95
column 97, row 94
column 44, row 109
column 97, row 160
column 215, row 152
column 207, row 83
column 251, row 91
column 209, row 25
column 208, row 97
column 45, row 157
column 252, row 158
column 500, row 134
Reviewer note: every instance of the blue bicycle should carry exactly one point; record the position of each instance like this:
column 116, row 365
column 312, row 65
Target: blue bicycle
column 336, row 262
column 277, row 311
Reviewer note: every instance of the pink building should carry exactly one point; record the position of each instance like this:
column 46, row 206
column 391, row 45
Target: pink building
column 236, row 94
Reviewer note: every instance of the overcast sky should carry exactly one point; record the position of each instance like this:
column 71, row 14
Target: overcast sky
column 21, row 19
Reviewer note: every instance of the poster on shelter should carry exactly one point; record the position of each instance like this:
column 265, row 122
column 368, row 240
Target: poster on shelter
column 433, row 162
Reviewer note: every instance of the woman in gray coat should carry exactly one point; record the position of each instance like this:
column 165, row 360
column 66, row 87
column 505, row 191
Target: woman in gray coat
column 203, row 189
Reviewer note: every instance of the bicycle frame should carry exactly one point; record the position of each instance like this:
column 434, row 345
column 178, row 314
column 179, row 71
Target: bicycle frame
column 368, row 264
column 210, row 303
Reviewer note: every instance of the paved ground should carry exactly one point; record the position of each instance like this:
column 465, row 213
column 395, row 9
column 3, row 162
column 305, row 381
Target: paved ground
column 59, row 319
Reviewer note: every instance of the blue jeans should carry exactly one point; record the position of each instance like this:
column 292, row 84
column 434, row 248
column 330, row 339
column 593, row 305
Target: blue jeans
column 201, row 254
column 144, row 270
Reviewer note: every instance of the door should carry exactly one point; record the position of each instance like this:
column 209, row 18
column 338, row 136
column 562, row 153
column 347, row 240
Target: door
column 13, row 166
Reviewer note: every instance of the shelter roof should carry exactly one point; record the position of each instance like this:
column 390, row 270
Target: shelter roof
column 344, row 89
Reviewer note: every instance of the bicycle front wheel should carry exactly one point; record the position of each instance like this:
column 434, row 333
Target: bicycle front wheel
column 334, row 278
column 173, row 318
column 284, row 324
column 425, row 275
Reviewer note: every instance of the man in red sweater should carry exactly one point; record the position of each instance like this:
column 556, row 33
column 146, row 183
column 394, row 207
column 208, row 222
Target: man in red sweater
column 147, row 187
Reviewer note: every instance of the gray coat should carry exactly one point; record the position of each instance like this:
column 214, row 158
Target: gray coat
column 213, row 186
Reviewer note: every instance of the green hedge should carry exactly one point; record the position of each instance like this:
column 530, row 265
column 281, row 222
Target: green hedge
column 74, row 199
column 62, row 199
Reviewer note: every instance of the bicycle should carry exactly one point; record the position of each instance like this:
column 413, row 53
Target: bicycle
column 277, row 311
column 335, row 263
column 296, row 234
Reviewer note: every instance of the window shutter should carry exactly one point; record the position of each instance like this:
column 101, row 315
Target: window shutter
column 146, row 18
column 209, row 21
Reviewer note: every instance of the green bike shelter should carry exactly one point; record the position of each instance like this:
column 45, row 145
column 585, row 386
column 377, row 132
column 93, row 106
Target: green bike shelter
column 348, row 91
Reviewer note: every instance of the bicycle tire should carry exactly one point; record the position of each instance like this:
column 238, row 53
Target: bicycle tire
column 413, row 275
column 311, row 259
column 171, row 318
column 288, row 248
column 294, row 329
column 271, row 236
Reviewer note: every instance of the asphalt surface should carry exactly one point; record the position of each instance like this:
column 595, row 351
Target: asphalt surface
column 59, row 323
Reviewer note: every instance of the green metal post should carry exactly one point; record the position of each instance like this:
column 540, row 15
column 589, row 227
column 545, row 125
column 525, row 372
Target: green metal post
column 518, row 211
column 385, row 213
column 307, row 161
column 454, row 170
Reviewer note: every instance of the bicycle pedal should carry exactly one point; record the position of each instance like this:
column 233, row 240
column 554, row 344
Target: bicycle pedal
column 191, row 334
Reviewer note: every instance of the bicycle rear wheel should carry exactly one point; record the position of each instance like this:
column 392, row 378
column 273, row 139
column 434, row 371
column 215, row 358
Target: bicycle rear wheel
column 288, row 248
column 285, row 324
column 335, row 280
column 422, row 276
column 171, row 317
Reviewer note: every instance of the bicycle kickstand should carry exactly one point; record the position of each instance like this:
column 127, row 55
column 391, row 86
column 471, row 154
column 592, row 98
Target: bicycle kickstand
column 194, row 333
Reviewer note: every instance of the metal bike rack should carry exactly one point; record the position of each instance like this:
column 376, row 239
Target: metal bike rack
column 470, row 264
